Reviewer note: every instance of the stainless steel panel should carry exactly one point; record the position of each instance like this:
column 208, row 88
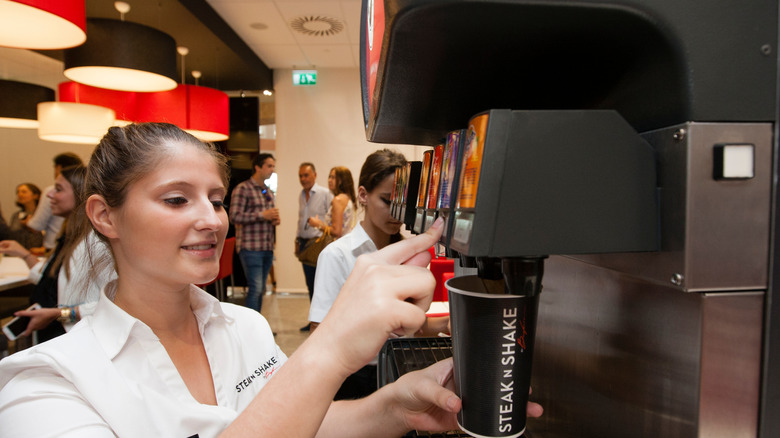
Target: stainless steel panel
column 620, row 357
column 730, row 365
column 714, row 234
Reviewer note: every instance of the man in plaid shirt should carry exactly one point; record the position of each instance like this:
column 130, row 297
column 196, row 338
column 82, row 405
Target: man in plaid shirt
column 255, row 216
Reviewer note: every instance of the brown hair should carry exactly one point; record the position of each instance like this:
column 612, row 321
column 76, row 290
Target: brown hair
column 67, row 159
column 344, row 183
column 378, row 166
column 75, row 175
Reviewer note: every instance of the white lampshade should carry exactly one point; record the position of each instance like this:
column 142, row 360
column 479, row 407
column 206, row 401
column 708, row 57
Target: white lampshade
column 42, row 24
column 207, row 136
column 69, row 122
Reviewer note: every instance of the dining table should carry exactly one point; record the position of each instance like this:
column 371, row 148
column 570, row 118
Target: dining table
column 13, row 273
column 15, row 287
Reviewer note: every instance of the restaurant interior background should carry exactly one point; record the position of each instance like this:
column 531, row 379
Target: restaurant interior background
column 321, row 123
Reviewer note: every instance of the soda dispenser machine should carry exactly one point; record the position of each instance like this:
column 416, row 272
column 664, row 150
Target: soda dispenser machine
column 610, row 163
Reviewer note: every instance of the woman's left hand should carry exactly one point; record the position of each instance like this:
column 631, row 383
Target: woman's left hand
column 425, row 399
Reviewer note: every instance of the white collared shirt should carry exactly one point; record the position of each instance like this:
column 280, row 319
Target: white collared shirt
column 334, row 266
column 110, row 376
column 319, row 202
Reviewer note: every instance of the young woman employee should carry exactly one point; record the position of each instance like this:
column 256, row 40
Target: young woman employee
column 161, row 357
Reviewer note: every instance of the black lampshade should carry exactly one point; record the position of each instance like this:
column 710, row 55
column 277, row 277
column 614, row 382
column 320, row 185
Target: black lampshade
column 120, row 55
column 19, row 103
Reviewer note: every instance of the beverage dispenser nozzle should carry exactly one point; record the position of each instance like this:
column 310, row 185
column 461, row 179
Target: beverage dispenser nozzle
column 467, row 261
column 489, row 268
column 489, row 273
column 523, row 275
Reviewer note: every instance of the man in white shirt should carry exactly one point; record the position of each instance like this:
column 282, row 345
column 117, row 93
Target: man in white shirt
column 314, row 201
column 43, row 219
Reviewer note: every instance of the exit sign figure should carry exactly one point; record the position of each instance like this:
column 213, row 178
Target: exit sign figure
column 304, row 77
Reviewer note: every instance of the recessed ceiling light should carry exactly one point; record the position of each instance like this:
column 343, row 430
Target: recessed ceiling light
column 316, row 25
column 259, row 26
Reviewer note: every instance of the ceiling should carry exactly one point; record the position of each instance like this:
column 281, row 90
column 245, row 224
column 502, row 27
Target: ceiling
column 235, row 44
column 265, row 25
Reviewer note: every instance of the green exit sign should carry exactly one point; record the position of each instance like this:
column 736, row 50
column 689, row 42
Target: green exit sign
column 304, row 77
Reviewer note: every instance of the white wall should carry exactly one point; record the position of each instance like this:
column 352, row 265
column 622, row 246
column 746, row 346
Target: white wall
column 322, row 124
column 25, row 158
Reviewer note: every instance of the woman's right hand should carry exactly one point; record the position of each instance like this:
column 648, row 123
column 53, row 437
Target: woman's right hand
column 13, row 248
column 386, row 295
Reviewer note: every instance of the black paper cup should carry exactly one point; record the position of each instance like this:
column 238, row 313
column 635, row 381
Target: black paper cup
column 492, row 346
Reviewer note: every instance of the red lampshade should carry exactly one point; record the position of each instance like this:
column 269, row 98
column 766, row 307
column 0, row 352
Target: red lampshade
column 163, row 106
column 122, row 102
column 201, row 111
column 208, row 113
column 42, row 24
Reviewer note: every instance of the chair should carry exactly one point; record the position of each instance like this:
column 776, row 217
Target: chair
column 225, row 268
column 440, row 267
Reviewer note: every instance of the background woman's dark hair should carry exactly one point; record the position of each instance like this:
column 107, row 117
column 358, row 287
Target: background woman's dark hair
column 378, row 166
column 75, row 175
column 67, row 159
column 344, row 183
column 124, row 156
column 33, row 188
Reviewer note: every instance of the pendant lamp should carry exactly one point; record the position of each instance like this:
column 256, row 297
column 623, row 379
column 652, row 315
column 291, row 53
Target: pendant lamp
column 70, row 122
column 122, row 102
column 42, row 24
column 120, row 55
column 203, row 112
column 208, row 113
column 19, row 103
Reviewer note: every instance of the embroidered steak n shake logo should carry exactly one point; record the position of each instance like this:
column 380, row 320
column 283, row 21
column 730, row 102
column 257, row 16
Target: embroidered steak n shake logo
column 265, row 371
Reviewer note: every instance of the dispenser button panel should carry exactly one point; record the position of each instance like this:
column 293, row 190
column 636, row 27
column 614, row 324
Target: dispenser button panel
column 462, row 229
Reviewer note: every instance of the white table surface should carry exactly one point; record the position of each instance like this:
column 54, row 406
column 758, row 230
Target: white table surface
column 13, row 272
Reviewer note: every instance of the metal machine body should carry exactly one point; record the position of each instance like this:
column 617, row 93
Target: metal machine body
column 619, row 357
column 676, row 342
column 667, row 343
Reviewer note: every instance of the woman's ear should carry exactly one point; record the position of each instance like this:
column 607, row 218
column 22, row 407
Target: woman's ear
column 99, row 213
column 362, row 195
